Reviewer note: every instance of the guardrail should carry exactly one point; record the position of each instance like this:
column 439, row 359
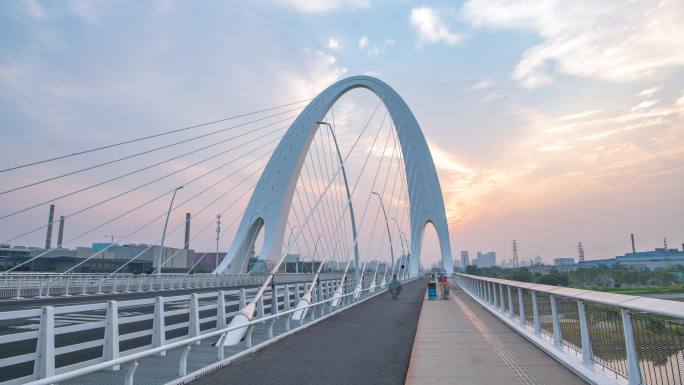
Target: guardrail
column 264, row 330
column 605, row 338
column 65, row 338
column 30, row 285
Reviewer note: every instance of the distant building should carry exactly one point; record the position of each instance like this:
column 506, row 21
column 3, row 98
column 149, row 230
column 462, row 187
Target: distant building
column 563, row 261
column 465, row 259
column 485, row 259
column 206, row 262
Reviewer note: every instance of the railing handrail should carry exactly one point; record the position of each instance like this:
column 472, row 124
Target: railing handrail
column 188, row 341
column 632, row 302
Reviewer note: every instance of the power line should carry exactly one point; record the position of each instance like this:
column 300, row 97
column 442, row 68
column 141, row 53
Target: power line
column 148, row 137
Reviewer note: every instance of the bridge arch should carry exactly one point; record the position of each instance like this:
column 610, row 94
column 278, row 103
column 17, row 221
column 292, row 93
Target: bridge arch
column 270, row 202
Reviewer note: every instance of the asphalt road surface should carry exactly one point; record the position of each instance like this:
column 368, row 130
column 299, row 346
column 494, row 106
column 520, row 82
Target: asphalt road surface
column 368, row 344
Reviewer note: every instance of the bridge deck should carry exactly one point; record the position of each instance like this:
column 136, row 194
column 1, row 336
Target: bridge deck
column 368, row 344
column 459, row 342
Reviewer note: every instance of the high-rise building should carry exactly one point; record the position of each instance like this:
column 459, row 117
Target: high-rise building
column 485, row 259
column 464, row 258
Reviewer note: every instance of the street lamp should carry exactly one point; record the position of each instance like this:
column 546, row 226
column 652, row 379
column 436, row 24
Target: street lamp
column 166, row 223
column 351, row 208
column 389, row 235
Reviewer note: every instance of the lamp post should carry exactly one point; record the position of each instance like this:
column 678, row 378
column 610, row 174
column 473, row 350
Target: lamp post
column 351, row 208
column 166, row 223
column 389, row 235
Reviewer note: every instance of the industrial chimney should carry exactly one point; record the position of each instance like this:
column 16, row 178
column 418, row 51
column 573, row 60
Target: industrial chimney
column 48, row 236
column 187, row 231
column 633, row 248
column 60, row 232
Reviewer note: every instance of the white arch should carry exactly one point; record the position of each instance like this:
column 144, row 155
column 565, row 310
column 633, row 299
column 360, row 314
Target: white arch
column 272, row 196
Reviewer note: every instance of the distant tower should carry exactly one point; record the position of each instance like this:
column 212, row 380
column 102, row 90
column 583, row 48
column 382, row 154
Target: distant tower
column 186, row 245
column 60, row 232
column 633, row 248
column 580, row 250
column 665, row 243
column 48, row 235
column 515, row 254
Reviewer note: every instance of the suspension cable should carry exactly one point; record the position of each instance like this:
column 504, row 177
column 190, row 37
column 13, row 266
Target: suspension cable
column 149, row 136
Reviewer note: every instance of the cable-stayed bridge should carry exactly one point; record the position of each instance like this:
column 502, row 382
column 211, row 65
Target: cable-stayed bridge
column 313, row 217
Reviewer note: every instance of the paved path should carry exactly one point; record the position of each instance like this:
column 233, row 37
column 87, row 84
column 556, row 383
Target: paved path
column 459, row 342
column 368, row 344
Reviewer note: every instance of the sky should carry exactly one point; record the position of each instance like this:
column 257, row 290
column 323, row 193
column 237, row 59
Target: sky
column 549, row 122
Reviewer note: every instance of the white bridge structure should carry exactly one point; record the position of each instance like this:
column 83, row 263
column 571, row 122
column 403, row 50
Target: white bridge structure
column 314, row 194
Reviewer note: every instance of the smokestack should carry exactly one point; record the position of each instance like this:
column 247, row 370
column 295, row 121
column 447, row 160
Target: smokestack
column 48, row 236
column 633, row 248
column 187, row 231
column 60, row 232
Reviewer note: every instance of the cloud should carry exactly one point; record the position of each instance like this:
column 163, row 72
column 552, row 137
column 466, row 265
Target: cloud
column 320, row 6
column 375, row 49
column 650, row 91
column 431, row 28
column 35, row 10
column 363, row 42
column 644, row 104
column 610, row 40
column 481, row 85
column 333, row 44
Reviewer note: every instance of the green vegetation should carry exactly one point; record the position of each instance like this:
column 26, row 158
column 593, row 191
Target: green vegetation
column 613, row 279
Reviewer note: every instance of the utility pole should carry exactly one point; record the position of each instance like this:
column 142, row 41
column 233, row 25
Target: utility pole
column 580, row 250
column 218, row 236
column 516, row 264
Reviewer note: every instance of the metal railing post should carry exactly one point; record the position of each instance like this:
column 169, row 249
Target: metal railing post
column 535, row 313
column 496, row 300
column 274, row 300
column 19, row 290
column 44, row 365
column 159, row 325
column 521, row 306
column 502, row 306
column 183, row 364
column 555, row 322
column 221, row 310
column 584, row 333
column 510, row 302
column 286, row 298
column 110, row 350
column 260, row 307
column 243, row 298
column 130, row 374
column 633, row 371
column 193, row 321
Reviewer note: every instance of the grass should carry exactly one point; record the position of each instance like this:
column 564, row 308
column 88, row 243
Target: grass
column 640, row 290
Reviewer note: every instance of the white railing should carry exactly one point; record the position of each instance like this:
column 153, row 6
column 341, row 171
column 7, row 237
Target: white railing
column 31, row 285
column 605, row 338
column 112, row 361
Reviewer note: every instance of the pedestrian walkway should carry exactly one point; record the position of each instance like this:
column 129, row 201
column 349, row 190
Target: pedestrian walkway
column 369, row 344
column 459, row 342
